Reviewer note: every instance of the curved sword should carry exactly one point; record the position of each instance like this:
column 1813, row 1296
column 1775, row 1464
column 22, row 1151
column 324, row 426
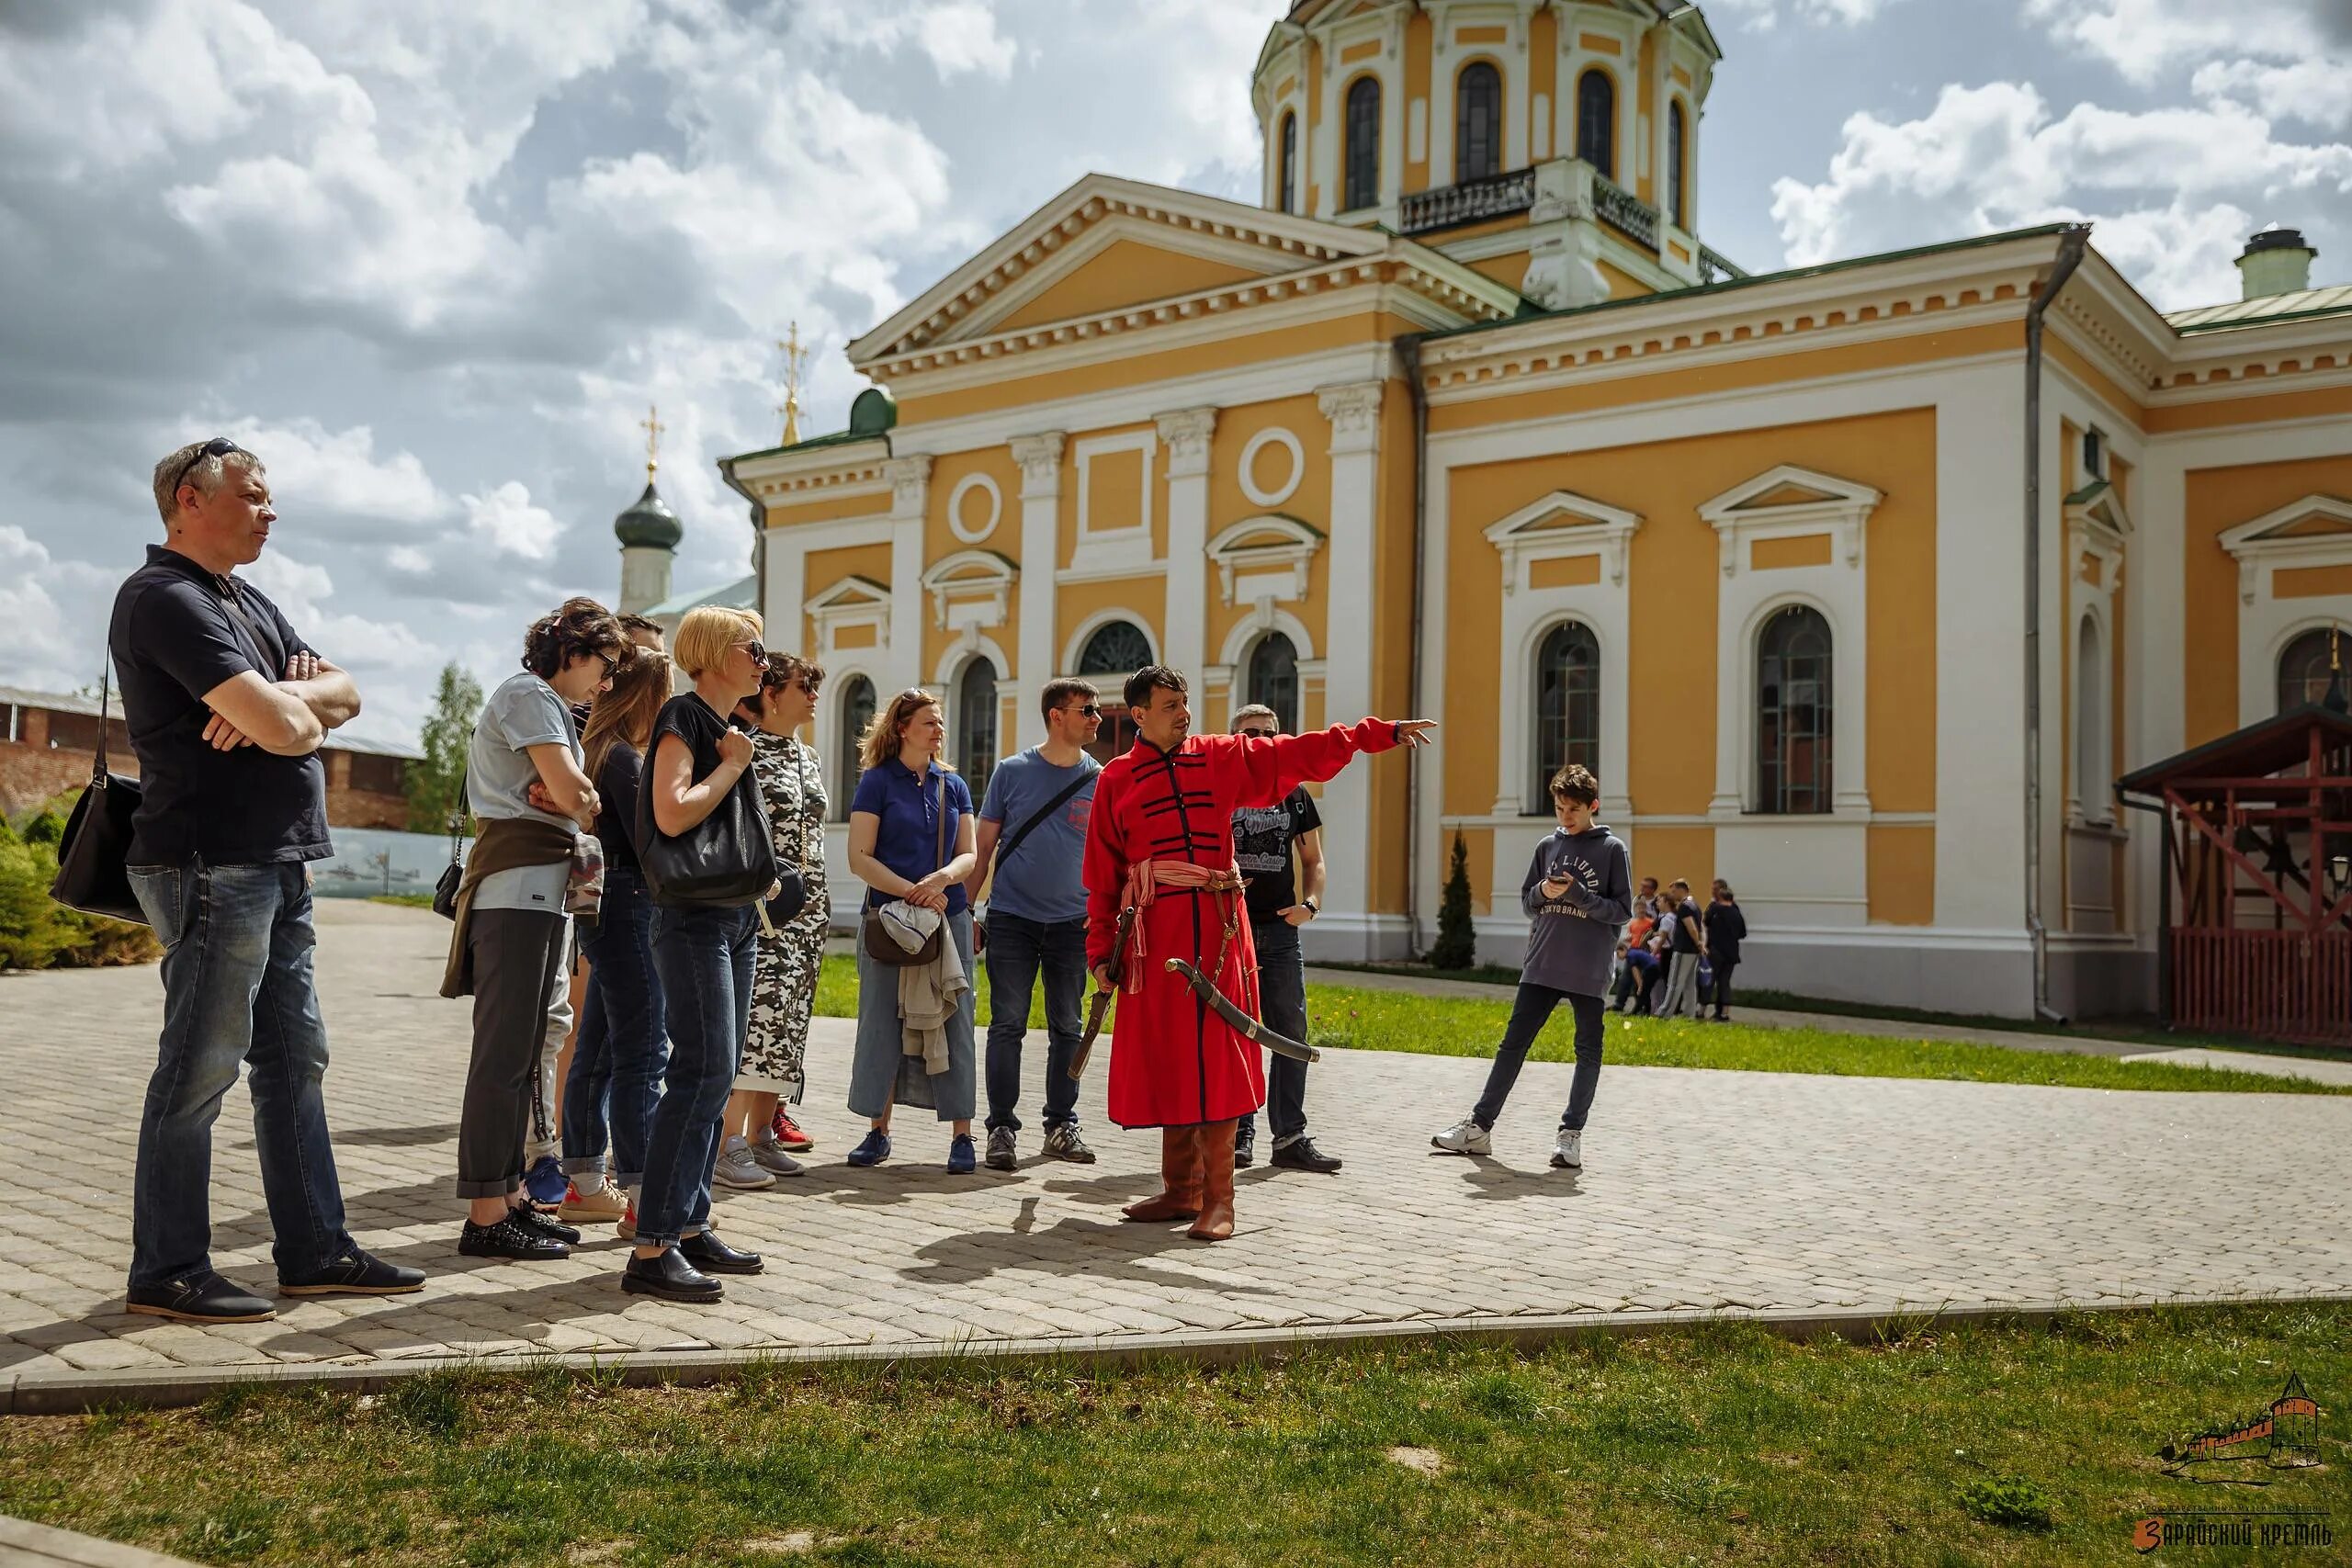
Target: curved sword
column 1240, row 1023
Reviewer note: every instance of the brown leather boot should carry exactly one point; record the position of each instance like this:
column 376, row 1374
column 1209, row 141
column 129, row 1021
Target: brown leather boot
column 1215, row 1223
column 1180, row 1180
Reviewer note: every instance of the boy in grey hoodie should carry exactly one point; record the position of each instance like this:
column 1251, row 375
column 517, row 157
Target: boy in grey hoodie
column 1579, row 893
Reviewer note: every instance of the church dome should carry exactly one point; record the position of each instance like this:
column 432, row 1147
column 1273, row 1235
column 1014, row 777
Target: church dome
column 649, row 524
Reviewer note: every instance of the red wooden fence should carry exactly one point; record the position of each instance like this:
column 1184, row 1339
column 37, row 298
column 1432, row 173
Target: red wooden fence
column 2285, row 985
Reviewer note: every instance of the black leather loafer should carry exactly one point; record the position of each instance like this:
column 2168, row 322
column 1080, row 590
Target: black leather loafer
column 670, row 1278
column 510, row 1239
column 355, row 1274
column 1301, row 1154
column 200, row 1298
column 712, row 1255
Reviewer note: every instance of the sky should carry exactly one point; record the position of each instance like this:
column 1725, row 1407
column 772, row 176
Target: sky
column 433, row 259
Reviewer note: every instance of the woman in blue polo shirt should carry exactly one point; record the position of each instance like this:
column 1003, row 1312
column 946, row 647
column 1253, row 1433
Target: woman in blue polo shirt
column 896, row 843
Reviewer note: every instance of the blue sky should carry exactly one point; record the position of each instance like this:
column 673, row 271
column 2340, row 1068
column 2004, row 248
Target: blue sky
column 432, row 259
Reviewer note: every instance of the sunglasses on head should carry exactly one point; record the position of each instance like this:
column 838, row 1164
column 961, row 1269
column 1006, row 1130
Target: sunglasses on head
column 219, row 446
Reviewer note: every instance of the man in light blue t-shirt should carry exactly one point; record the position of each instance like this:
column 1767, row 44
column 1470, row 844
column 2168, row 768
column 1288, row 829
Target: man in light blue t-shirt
column 1033, row 836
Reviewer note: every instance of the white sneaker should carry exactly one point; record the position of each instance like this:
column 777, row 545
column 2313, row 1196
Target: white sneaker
column 1569, row 1152
column 737, row 1169
column 1464, row 1137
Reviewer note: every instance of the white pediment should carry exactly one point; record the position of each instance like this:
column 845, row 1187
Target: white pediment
column 1562, row 524
column 2315, row 531
column 970, row 589
column 1787, row 501
column 1264, row 559
column 850, row 594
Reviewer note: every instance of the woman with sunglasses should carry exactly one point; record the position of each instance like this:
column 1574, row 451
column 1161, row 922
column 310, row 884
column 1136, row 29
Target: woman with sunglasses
column 784, row 972
column 704, row 953
column 525, row 786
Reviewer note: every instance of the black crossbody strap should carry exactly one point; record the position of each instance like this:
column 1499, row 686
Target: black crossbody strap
column 99, row 768
column 1004, row 848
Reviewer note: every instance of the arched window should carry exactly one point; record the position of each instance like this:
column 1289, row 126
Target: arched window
column 1597, row 121
column 2303, row 670
column 1568, row 707
column 2091, row 772
column 1289, row 164
column 976, row 718
column 1675, row 134
column 1362, row 157
column 1478, row 122
column 1793, row 709
column 1273, row 679
column 857, row 712
column 1117, row 648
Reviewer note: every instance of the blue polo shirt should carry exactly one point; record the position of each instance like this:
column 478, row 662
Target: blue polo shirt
column 906, row 838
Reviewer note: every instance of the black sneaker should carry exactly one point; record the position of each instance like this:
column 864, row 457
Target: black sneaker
column 510, row 1237
column 199, row 1298
column 670, row 1277
column 355, row 1274
column 1300, row 1154
column 1063, row 1143
column 539, row 1221
column 712, row 1255
column 1245, row 1145
column 1003, row 1150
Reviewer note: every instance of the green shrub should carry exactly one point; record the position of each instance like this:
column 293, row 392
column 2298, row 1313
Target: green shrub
column 36, row 932
column 2009, row 1500
column 1457, row 943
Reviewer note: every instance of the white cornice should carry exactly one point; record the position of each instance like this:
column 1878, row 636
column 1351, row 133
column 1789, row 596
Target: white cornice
column 1529, row 535
column 2256, row 544
column 853, row 468
column 1841, row 508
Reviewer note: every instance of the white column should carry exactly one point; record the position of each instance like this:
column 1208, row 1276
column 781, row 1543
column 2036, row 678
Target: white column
column 1354, row 413
column 910, row 495
column 784, row 588
column 1040, row 458
column 1186, row 434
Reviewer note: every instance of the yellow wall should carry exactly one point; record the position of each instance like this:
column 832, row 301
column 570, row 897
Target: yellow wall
column 828, row 509
column 1113, row 486
column 1127, row 272
column 1669, row 853
column 939, row 541
column 1629, row 158
column 2218, row 499
column 1621, row 284
column 2330, row 402
column 1902, row 875
column 1311, row 196
column 1415, row 171
column 1310, row 503
column 1510, row 269
column 1544, row 77
column 1142, row 600
column 825, row 568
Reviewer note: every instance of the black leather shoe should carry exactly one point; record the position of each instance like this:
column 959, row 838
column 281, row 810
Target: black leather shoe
column 353, row 1274
column 1300, row 1154
column 670, row 1277
column 540, row 1222
column 712, row 1255
column 1245, row 1145
column 510, row 1237
column 200, row 1298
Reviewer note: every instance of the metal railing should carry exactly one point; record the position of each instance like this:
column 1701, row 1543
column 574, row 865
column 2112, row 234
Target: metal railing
column 1466, row 202
column 1624, row 211
column 1711, row 263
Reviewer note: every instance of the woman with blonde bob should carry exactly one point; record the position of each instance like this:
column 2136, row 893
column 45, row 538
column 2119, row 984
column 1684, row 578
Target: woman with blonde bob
column 911, row 840
column 704, row 953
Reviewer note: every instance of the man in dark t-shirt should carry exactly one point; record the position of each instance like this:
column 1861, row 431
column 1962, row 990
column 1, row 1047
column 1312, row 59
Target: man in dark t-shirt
column 1263, row 838
column 227, row 706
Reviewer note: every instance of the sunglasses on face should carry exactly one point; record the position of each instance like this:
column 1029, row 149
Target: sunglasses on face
column 759, row 654
column 612, row 665
column 219, row 446
column 1086, row 710
column 1260, row 733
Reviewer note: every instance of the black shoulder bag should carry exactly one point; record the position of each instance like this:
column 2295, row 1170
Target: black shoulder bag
column 724, row 861
column 453, row 875
column 96, row 845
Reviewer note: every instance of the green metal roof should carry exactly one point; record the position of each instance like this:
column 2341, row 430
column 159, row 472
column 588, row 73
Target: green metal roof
column 650, row 523
column 739, row 596
column 2295, row 305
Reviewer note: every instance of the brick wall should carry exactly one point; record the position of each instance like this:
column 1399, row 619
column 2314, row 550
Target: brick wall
column 32, row 775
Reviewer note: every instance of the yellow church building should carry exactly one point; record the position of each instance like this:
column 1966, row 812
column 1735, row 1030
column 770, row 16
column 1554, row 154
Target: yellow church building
column 1463, row 419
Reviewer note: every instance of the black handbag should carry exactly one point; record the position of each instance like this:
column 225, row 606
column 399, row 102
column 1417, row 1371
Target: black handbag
column 453, row 875
column 792, row 897
column 96, row 845
column 878, row 943
column 723, row 862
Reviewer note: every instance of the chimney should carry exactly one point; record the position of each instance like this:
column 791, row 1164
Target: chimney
column 2276, row 261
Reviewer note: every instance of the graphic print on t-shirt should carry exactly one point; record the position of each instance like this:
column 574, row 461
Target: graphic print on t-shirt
column 1262, row 836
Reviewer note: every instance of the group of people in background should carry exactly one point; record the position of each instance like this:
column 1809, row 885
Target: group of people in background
column 1675, row 958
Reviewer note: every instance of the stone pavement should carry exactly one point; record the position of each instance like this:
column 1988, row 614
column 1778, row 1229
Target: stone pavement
column 1705, row 1191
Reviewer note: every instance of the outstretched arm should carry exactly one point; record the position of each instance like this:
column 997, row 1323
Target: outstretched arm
column 1273, row 768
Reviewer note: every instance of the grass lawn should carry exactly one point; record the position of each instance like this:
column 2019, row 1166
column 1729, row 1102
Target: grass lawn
column 1449, row 1026
column 1998, row 1444
column 405, row 901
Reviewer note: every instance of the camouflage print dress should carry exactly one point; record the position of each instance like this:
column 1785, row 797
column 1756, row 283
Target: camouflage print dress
column 784, row 978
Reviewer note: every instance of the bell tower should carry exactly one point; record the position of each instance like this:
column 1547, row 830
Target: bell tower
column 649, row 532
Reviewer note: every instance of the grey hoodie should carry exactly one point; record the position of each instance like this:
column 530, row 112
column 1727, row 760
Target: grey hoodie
column 1572, row 943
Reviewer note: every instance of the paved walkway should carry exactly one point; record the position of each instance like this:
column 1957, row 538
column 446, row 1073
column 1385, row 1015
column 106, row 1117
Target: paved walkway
column 1705, row 1191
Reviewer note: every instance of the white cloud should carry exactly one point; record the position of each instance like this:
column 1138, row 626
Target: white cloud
column 2174, row 191
column 957, row 36
column 2144, row 39
column 1764, row 15
column 506, row 520
column 2316, row 92
column 408, row 559
column 312, row 468
column 56, row 613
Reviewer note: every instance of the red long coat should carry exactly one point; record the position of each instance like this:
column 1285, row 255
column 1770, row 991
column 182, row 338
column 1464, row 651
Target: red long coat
column 1174, row 1062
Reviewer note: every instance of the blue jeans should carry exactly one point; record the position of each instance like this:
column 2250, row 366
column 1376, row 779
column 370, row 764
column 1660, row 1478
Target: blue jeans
column 238, row 988
column 1017, row 949
column 1528, row 1013
column 610, row 1096
column 705, row 957
column 1281, row 1005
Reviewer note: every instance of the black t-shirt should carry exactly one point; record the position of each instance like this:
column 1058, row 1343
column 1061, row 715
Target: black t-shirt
column 689, row 718
column 1262, row 836
column 1686, row 927
column 1725, row 927
column 617, row 782
column 179, row 631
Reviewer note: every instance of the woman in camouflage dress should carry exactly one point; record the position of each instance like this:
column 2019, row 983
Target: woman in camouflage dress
column 760, row 1134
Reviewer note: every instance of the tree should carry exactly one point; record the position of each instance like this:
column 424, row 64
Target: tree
column 433, row 783
column 1457, row 943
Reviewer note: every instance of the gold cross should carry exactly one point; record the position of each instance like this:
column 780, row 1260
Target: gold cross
column 795, row 358
column 653, row 427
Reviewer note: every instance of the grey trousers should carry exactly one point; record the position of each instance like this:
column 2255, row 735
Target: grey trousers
column 518, row 961
column 1681, row 987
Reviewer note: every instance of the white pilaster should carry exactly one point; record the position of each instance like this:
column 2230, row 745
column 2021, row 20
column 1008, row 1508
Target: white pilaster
column 909, row 480
column 1354, row 413
column 1186, row 435
column 1040, row 458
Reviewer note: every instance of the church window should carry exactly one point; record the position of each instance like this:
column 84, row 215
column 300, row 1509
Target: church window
column 1290, row 162
column 857, row 712
column 1117, row 648
column 1793, row 714
column 1568, row 707
column 975, row 721
column 1478, row 122
column 2304, row 669
column 1273, row 679
column 1597, row 121
column 1674, row 140
column 1363, row 144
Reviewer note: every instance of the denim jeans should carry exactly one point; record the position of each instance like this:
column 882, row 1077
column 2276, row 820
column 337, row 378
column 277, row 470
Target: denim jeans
column 1528, row 1013
column 704, row 958
column 1281, row 1002
column 1017, row 949
column 238, row 988
column 608, row 1101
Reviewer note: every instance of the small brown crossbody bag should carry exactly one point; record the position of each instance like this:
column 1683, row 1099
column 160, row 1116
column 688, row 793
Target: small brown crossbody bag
column 877, row 943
